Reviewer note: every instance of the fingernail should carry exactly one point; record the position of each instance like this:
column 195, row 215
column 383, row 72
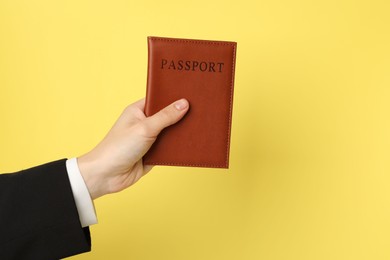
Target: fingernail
column 181, row 104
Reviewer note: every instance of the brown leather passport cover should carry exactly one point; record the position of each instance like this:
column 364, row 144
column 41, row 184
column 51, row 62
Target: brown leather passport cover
column 202, row 72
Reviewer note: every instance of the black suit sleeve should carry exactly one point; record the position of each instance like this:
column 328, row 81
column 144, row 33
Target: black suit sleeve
column 38, row 215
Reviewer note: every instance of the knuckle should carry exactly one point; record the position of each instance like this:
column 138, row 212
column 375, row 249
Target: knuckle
column 143, row 129
column 128, row 109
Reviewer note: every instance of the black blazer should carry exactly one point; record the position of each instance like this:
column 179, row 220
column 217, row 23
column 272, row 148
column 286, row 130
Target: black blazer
column 38, row 215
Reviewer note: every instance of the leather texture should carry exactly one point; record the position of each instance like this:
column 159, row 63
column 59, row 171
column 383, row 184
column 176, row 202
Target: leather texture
column 201, row 71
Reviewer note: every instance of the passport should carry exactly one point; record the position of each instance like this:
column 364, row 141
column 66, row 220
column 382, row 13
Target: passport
column 201, row 71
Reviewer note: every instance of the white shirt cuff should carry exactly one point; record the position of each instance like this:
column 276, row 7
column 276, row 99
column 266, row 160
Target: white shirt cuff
column 84, row 203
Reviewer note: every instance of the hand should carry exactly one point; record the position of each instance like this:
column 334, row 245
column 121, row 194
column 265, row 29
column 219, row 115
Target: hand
column 116, row 162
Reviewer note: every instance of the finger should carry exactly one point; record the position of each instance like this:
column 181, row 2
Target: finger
column 167, row 116
column 140, row 104
column 148, row 168
column 132, row 113
column 138, row 171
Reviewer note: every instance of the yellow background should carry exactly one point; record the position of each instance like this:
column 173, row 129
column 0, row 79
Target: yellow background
column 309, row 176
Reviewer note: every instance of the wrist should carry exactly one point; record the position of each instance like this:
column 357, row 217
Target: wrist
column 90, row 171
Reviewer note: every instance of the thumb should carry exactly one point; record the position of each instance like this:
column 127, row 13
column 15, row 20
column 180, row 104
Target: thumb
column 167, row 116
